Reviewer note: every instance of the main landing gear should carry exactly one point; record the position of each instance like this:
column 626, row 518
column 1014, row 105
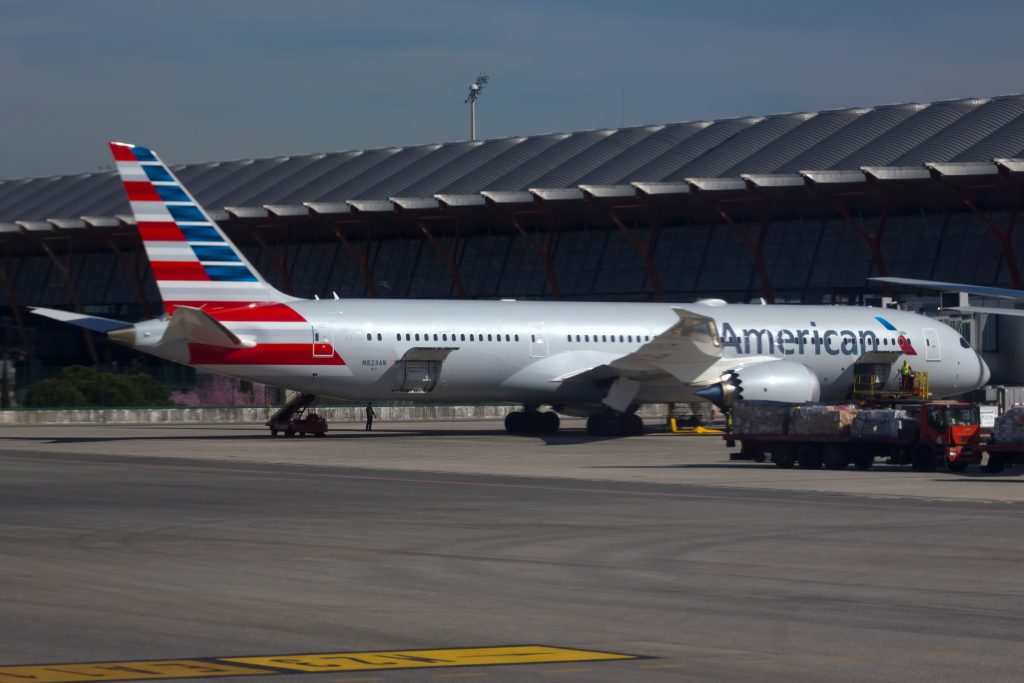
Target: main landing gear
column 615, row 424
column 531, row 422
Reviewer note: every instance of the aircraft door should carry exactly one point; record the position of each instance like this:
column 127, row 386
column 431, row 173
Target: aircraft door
column 538, row 341
column 931, row 344
column 323, row 347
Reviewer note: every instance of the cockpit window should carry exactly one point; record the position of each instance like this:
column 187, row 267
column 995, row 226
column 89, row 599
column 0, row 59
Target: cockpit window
column 964, row 343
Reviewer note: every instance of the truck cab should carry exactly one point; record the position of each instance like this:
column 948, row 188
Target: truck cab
column 949, row 432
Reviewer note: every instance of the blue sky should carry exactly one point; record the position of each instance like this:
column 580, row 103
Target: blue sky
column 205, row 80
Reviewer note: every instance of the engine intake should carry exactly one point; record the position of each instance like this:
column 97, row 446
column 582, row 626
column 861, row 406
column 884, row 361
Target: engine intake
column 785, row 381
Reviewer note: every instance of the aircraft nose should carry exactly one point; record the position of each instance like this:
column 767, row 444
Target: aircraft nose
column 985, row 373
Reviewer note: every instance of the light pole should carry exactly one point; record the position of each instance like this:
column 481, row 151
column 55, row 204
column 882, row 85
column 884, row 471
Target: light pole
column 474, row 92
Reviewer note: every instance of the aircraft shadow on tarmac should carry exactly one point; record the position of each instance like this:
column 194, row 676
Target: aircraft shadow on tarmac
column 562, row 439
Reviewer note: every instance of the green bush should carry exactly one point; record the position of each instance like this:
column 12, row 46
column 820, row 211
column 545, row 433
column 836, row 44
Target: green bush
column 81, row 386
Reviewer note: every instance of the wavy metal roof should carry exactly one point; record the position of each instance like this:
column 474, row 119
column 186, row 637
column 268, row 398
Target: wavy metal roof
column 842, row 140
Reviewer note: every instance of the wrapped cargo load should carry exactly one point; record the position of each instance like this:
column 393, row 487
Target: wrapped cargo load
column 881, row 424
column 760, row 417
column 1010, row 426
column 818, row 420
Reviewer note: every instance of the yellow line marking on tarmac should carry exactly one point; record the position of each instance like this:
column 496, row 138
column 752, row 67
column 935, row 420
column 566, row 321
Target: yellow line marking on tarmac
column 323, row 662
column 124, row 671
column 416, row 659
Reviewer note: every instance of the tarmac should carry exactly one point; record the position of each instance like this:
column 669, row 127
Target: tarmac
column 440, row 551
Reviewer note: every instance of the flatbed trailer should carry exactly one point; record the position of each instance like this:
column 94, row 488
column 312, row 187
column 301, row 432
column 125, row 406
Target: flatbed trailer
column 946, row 435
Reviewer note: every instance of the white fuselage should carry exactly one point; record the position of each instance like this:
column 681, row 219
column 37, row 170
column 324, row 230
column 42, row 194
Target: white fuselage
column 518, row 350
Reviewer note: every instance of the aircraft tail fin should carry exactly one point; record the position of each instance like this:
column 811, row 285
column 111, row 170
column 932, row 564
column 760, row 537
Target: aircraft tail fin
column 193, row 261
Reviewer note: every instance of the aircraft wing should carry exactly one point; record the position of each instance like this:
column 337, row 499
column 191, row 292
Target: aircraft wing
column 980, row 290
column 689, row 351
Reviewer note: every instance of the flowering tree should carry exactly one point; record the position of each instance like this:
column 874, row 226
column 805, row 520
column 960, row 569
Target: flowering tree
column 224, row 391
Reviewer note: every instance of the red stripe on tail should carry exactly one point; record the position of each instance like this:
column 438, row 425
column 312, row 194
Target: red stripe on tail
column 178, row 270
column 121, row 152
column 141, row 191
column 160, row 232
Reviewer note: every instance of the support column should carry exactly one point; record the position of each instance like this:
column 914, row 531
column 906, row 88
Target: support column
column 1003, row 235
column 76, row 301
column 754, row 246
column 543, row 253
column 362, row 259
column 446, row 255
column 133, row 274
column 646, row 250
column 280, row 262
column 19, row 320
column 873, row 240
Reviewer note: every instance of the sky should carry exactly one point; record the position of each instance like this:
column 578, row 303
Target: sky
column 205, row 80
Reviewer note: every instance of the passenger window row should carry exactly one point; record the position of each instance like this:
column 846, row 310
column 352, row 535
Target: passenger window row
column 609, row 338
column 473, row 337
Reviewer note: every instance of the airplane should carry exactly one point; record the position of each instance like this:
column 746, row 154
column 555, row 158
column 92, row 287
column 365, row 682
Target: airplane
column 586, row 359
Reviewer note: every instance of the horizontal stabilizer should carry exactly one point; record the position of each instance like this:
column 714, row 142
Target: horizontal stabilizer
column 89, row 322
column 194, row 325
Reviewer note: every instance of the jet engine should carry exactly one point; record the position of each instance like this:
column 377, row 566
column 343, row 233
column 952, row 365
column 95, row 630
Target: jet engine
column 783, row 380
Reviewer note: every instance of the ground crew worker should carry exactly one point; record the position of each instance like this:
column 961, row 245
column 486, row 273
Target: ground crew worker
column 906, row 377
column 369, row 416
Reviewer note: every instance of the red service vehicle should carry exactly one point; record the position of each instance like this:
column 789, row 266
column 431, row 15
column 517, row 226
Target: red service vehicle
column 294, row 420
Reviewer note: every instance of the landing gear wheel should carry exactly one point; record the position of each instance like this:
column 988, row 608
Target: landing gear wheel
column 605, row 424
column 633, row 425
column 549, row 422
column 273, row 432
column 515, row 423
column 923, row 459
column 834, row 458
column 290, row 431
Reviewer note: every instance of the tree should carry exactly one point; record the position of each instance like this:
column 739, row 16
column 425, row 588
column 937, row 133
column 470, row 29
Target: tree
column 82, row 386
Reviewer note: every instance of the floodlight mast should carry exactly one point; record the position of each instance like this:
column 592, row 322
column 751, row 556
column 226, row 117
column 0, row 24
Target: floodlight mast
column 474, row 92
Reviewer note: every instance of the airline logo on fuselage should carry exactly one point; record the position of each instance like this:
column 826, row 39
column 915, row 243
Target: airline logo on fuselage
column 812, row 340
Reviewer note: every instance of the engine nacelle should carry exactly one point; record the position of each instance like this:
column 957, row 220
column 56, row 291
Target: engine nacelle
column 785, row 381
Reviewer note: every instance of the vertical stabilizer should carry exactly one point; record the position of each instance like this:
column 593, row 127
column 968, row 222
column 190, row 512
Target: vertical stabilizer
column 193, row 261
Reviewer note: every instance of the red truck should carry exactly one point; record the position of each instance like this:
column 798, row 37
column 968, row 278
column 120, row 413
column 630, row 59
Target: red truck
column 933, row 435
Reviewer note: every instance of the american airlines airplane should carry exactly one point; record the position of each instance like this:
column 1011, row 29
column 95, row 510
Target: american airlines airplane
column 595, row 360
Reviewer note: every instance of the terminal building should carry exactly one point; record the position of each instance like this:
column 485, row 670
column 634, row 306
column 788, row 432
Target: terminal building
column 786, row 208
